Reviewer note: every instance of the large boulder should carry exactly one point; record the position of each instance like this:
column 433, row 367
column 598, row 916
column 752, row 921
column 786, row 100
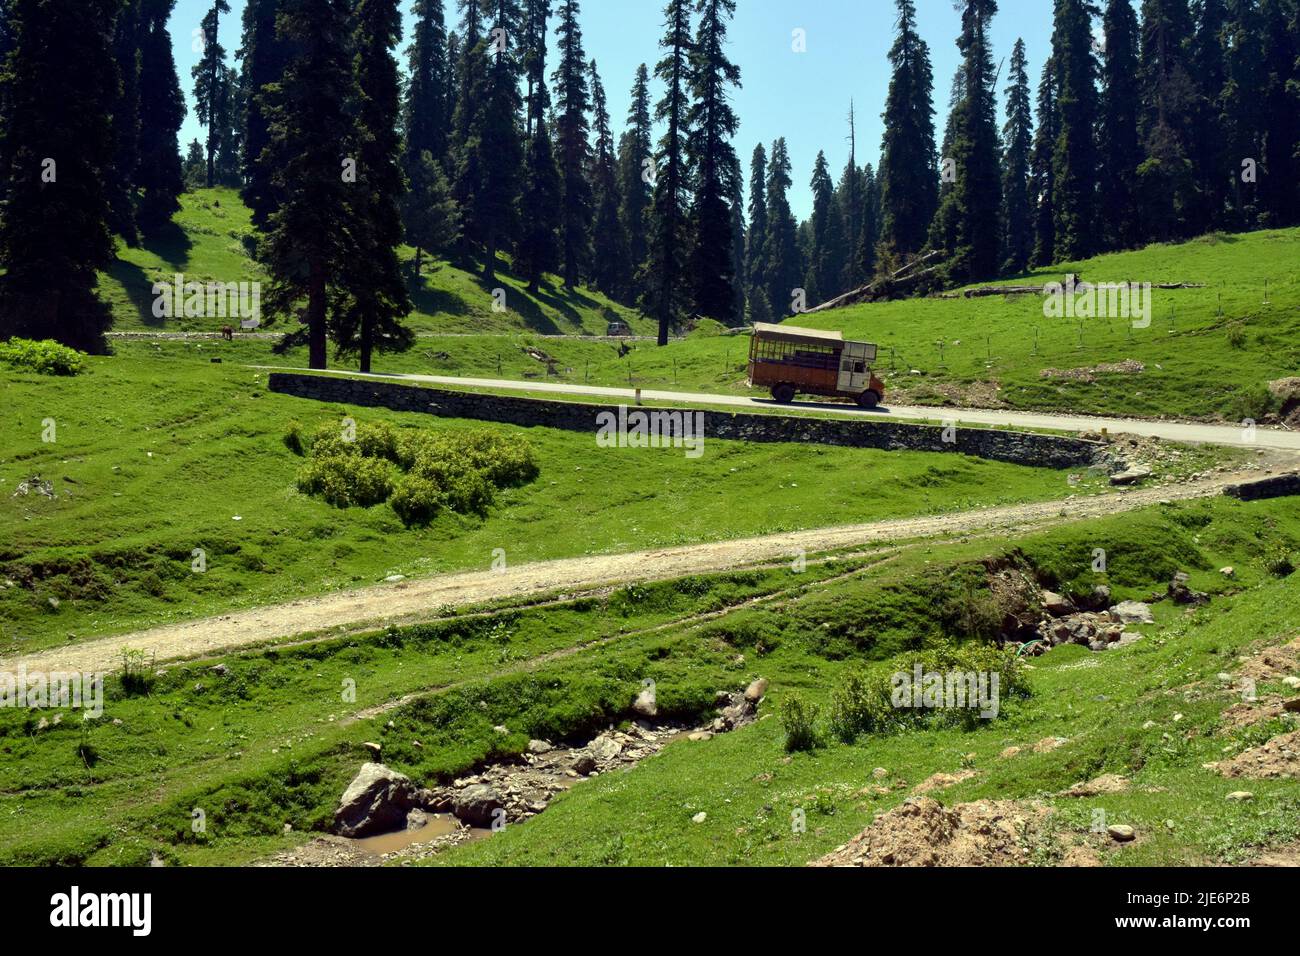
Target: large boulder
column 477, row 805
column 1131, row 475
column 376, row 801
column 1132, row 612
column 645, row 705
column 1181, row 593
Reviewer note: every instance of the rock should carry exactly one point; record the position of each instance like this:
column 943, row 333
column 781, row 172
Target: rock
column 1131, row 475
column 539, row 747
column 221, row 670
column 376, row 801
column 1132, row 612
column 394, row 578
column 699, row 817
column 880, row 773
column 1291, row 680
column 415, row 819
column 1057, row 604
column 1180, row 593
column 1292, row 706
column 477, row 805
column 755, row 691
column 645, row 703
column 700, row 735
column 605, row 748
column 1240, row 796
column 374, row 749
column 1228, row 572
column 584, row 765
column 1121, row 832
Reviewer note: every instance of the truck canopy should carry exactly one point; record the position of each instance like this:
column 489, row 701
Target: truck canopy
column 790, row 333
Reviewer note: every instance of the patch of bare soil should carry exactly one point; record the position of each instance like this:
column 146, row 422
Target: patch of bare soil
column 1089, row 373
column 942, row 781
column 923, row 832
column 1245, row 714
column 1106, row 783
column 1279, row 757
column 1283, row 856
column 1273, row 663
column 954, row 394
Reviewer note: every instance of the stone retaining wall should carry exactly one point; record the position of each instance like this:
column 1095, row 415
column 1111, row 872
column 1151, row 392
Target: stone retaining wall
column 1022, row 448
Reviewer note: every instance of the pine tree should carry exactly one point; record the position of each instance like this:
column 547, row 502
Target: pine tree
column 126, row 123
column 851, row 199
column 712, row 158
column 665, row 266
column 1042, row 178
column 1076, row 157
column 263, row 56
column 56, row 147
column 538, row 247
column 308, row 244
column 1166, row 184
column 194, row 169
column 908, row 190
column 869, row 240
column 466, row 152
column 1280, row 96
column 1121, row 152
column 609, row 268
column 162, row 111
column 635, row 148
column 784, row 270
column 229, row 169
column 499, row 139
column 755, row 247
column 426, row 118
column 1241, row 109
column 429, row 213
column 375, row 299
column 737, row 202
column 573, row 99
column 971, row 207
column 211, row 94
column 826, row 253
column 1210, row 161
column 1018, row 135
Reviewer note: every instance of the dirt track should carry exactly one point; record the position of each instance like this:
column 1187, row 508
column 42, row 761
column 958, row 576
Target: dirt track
column 413, row 599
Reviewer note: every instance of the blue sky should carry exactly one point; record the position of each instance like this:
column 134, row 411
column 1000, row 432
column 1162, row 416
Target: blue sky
column 801, row 96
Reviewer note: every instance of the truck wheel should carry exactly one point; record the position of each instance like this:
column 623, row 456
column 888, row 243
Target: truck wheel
column 869, row 399
column 784, row 394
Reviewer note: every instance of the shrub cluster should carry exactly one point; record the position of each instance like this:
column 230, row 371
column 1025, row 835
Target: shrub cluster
column 45, row 357
column 419, row 473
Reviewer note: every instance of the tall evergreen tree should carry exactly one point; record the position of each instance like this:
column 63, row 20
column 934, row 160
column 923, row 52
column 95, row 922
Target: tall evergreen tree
column 1042, row 175
column 573, row 100
column 312, row 138
column 756, row 246
column 609, row 267
column 1018, row 136
column 636, row 147
column 56, row 148
column 737, row 202
column 826, row 253
column 1241, row 107
column 426, row 117
column 784, row 270
column 712, row 158
column 162, row 111
column 466, row 153
column 263, row 56
column 498, row 137
column 971, row 208
column 211, row 90
column 538, row 249
column 375, row 299
column 851, row 198
column 908, row 191
column 1166, row 184
column 1280, row 182
column 665, row 267
column 126, row 123
column 1075, row 158
column 1121, row 151
column 1210, row 159
column 869, row 241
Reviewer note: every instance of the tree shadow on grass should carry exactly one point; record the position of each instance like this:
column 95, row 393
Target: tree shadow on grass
column 138, row 287
column 171, row 244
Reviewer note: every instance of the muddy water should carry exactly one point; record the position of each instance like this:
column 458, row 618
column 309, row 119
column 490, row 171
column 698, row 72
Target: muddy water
column 439, row 824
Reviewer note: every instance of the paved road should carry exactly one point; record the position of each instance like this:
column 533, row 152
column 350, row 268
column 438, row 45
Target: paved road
column 1176, row 431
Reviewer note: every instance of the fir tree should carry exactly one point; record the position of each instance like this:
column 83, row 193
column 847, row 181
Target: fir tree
column 826, row 252
column 263, row 56
column 755, row 247
column 375, row 298
column 194, row 169
column 784, row 269
column 211, row 87
column 426, row 117
column 538, row 248
column 635, row 149
column 1211, row 164
column 499, row 139
column 712, row 158
column 429, row 213
column 162, row 111
column 1121, row 152
column 573, row 99
column 665, row 267
column 1241, row 108
column 609, row 269
column 1075, row 158
column 908, row 190
column 1166, row 184
column 1042, row 178
column 1280, row 96
column 126, row 123
column 56, row 148
column 1018, row 135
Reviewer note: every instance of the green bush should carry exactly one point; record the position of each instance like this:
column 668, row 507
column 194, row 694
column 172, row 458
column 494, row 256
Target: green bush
column 45, row 357
column 800, row 722
column 371, row 440
column 1279, row 561
column 506, row 462
column 417, row 500
column 347, row 481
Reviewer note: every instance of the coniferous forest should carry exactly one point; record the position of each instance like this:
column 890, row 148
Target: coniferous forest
column 1151, row 121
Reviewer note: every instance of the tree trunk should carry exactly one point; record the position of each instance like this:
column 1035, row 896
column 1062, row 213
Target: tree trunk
column 419, row 255
column 367, row 343
column 316, row 317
